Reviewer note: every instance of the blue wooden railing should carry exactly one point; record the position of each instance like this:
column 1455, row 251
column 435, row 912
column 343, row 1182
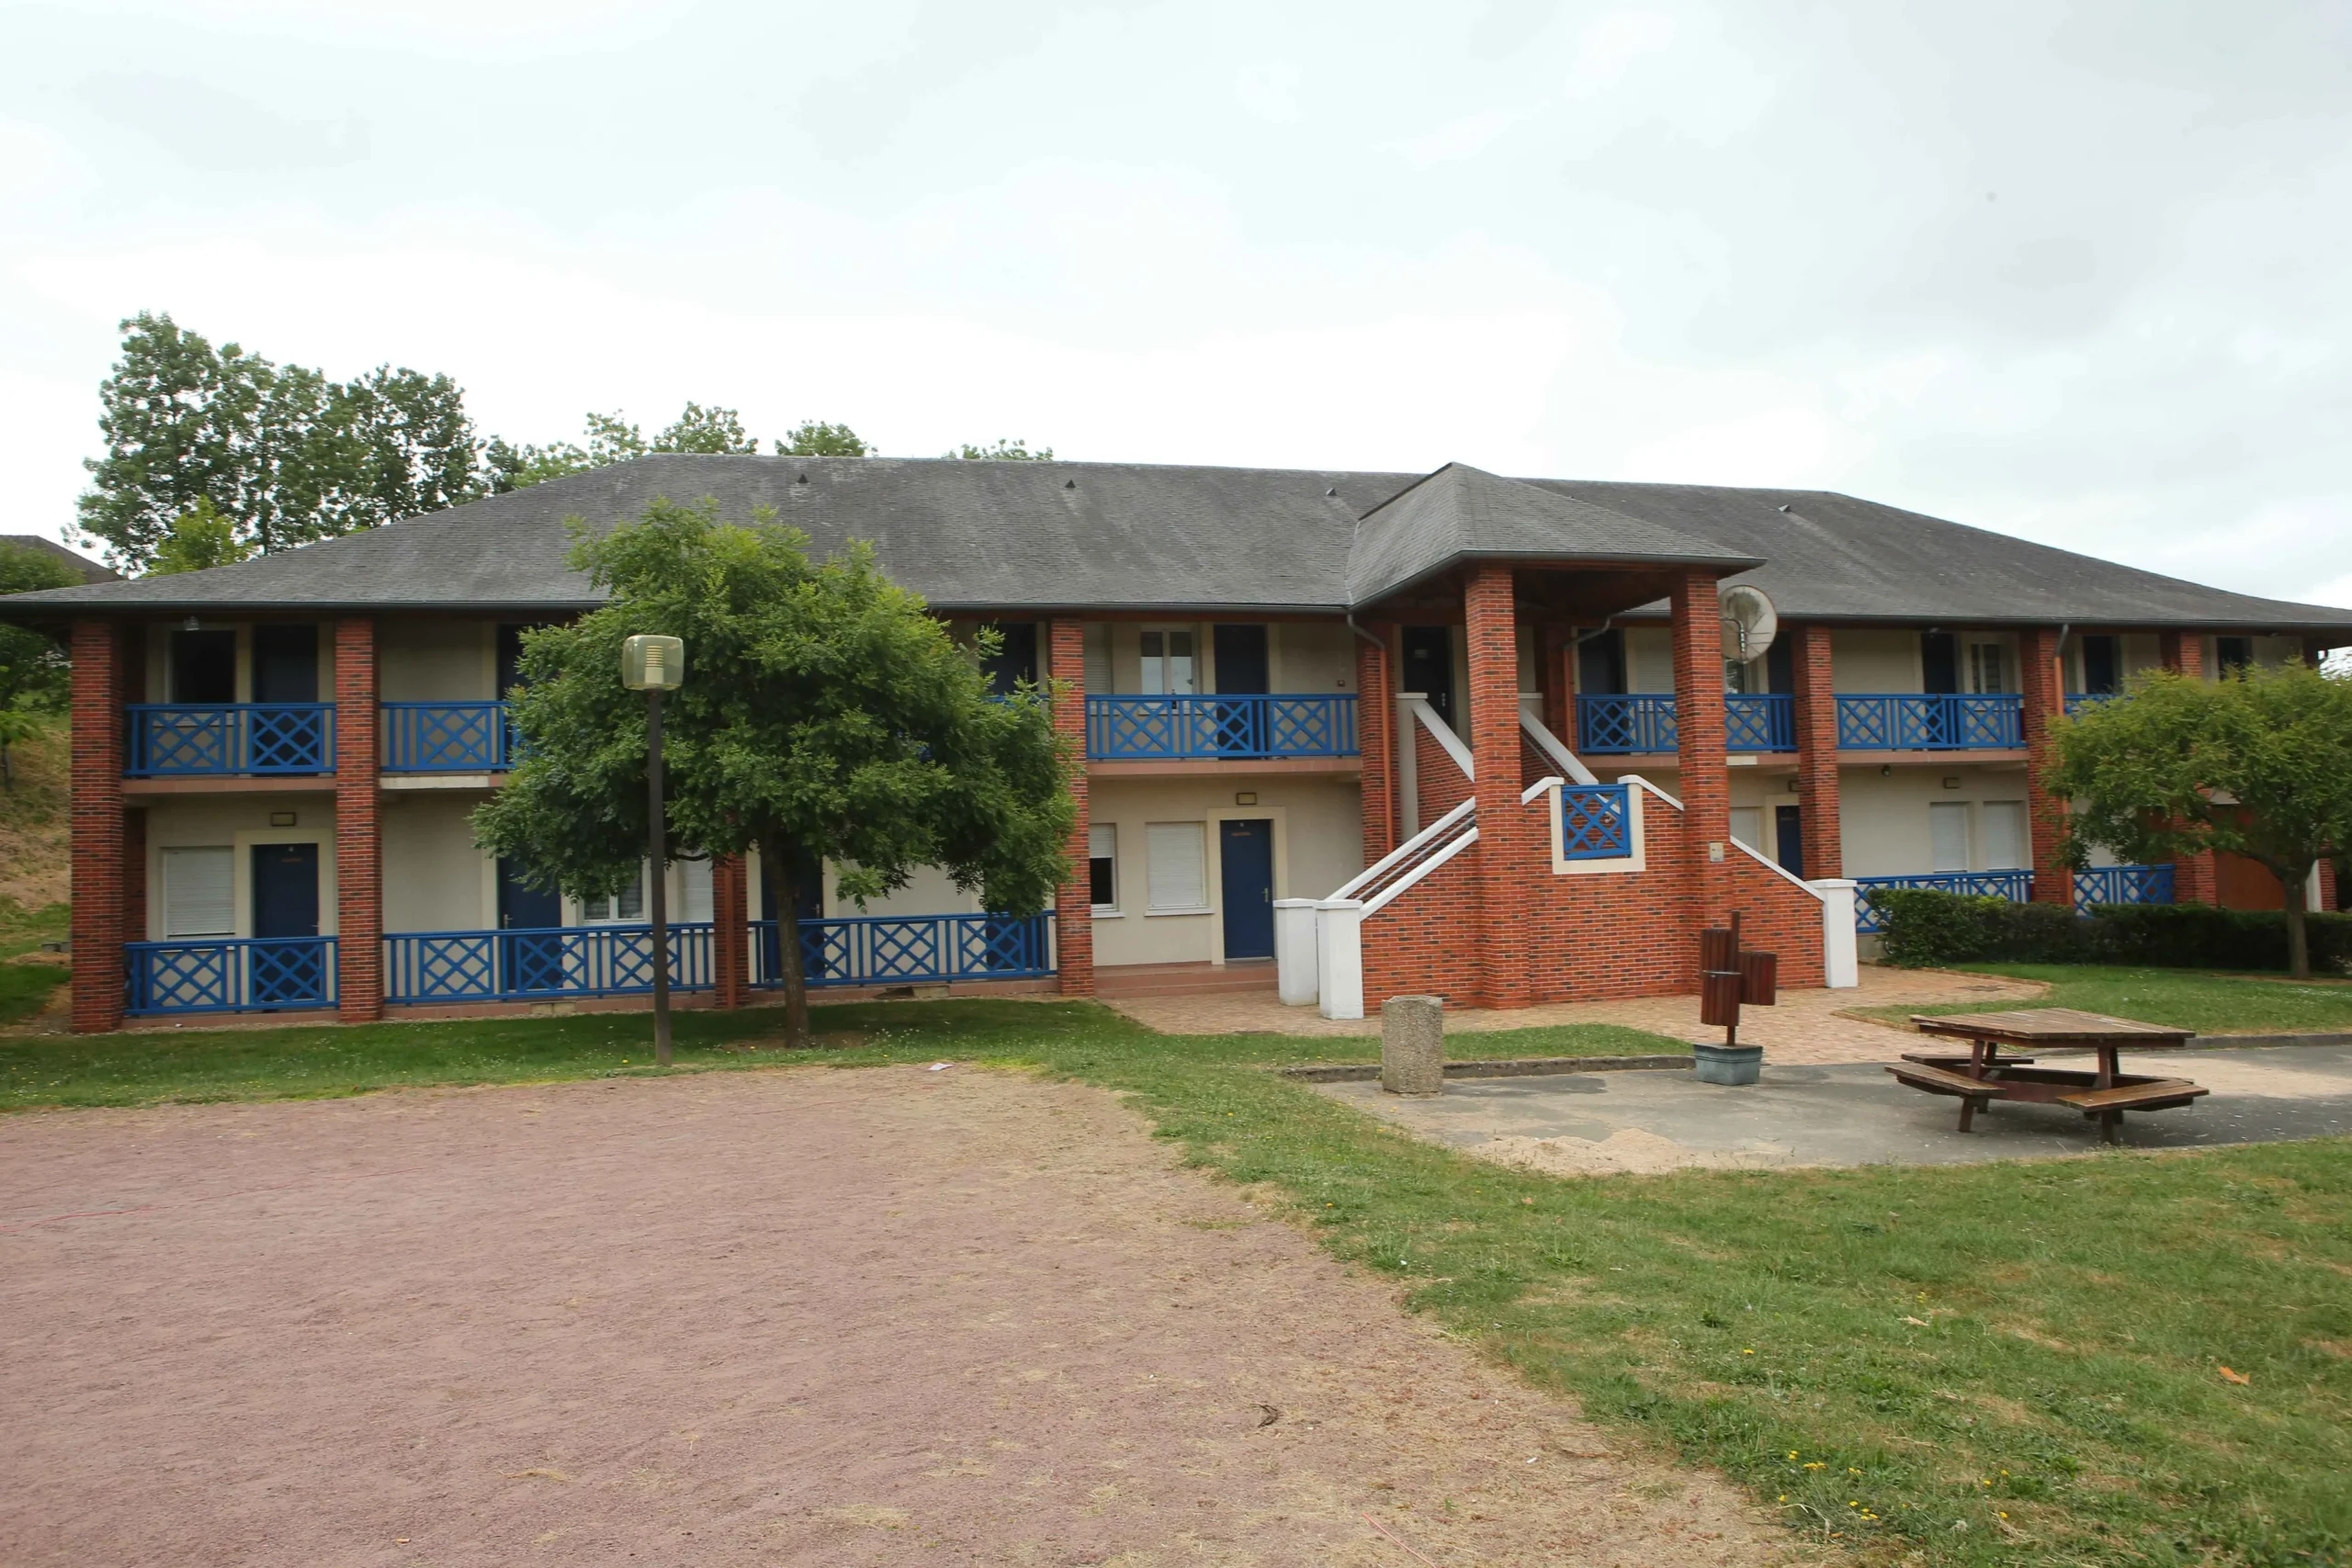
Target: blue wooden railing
column 2122, row 885
column 1623, row 722
column 1240, row 725
column 901, row 950
column 541, row 963
column 2016, row 886
column 229, row 974
column 2077, row 701
column 1595, row 823
column 1908, row 721
column 1759, row 721
column 167, row 739
column 447, row 738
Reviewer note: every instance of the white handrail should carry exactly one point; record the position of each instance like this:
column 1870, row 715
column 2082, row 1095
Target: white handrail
column 1637, row 779
column 1389, row 894
column 1349, row 888
column 1551, row 746
column 1443, row 734
column 1539, row 786
column 1777, row 869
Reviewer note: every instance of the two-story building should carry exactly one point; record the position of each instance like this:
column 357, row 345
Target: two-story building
column 1450, row 732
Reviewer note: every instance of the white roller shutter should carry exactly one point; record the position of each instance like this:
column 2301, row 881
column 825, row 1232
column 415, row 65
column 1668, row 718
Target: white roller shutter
column 200, row 892
column 1178, row 865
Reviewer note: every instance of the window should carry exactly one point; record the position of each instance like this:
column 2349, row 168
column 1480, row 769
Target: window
column 2005, row 841
column 628, row 906
column 1738, row 676
column 695, row 900
column 1103, row 866
column 1015, row 660
column 1178, row 870
column 2102, row 669
column 1168, row 662
column 2234, row 653
column 1948, row 834
column 1748, row 826
column 200, row 896
column 1989, row 667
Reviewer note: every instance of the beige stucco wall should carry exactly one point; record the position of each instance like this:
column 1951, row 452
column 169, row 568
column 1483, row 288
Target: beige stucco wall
column 1649, row 658
column 1311, row 656
column 1873, row 660
column 1885, row 815
column 1317, row 845
column 427, row 662
column 435, row 878
column 201, row 821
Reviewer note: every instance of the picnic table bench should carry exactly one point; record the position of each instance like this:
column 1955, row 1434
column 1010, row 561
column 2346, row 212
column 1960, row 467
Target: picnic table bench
column 1984, row 1075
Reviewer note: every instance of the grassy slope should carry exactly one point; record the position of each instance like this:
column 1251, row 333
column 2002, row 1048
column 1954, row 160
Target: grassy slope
column 2058, row 1400
column 34, row 879
column 2186, row 999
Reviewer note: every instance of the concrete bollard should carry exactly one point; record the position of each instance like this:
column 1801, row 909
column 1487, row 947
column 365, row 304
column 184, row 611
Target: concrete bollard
column 1412, row 1046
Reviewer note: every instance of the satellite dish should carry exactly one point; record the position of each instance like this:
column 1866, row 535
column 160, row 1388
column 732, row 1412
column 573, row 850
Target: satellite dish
column 1749, row 622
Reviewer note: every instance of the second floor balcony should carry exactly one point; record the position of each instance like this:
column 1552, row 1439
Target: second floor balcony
column 1235, row 726
column 277, row 739
column 1643, row 722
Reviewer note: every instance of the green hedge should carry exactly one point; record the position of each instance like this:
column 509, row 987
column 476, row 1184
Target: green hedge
column 1920, row 927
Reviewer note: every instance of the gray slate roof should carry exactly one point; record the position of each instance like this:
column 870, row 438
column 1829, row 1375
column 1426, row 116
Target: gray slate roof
column 974, row 536
column 91, row 571
column 1460, row 512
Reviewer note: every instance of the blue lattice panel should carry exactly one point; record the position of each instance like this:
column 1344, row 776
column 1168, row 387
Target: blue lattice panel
column 447, row 738
column 229, row 974
column 2122, row 884
column 883, row 950
column 1595, row 823
column 1240, row 725
column 1759, row 721
column 2016, row 886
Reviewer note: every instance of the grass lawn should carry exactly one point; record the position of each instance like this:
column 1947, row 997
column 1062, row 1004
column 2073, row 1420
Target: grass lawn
column 1993, row 1364
column 2185, row 998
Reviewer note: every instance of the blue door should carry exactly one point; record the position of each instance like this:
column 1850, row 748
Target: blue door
column 1246, row 848
column 530, row 951
column 1788, row 825
column 286, row 904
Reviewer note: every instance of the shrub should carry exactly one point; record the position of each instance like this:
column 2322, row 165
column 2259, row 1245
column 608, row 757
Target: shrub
column 1920, row 928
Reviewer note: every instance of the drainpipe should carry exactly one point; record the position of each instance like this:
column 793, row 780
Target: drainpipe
column 1388, row 728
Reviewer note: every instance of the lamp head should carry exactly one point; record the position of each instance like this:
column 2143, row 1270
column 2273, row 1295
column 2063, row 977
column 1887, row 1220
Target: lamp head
column 654, row 663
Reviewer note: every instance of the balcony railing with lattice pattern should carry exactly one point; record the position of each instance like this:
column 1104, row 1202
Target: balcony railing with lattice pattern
column 905, row 950
column 229, row 974
column 447, row 738
column 1242, row 727
column 184, row 740
column 1907, row 721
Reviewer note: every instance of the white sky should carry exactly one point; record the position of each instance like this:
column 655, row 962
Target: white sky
column 2070, row 271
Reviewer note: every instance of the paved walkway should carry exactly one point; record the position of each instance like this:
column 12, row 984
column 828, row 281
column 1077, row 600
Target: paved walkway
column 1804, row 1028
column 1601, row 1123
column 808, row 1316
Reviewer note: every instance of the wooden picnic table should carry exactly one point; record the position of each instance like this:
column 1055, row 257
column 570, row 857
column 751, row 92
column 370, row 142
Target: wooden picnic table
column 1984, row 1075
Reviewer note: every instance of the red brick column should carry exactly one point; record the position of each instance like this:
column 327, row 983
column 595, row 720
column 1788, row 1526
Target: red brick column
column 1506, row 848
column 97, row 816
column 1375, row 742
column 1816, row 715
column 2195, row 878
column 1699, row 732
column 358, row 845
column 730, row 930
column 1074, row 901
column 2045, row 699
column 2326, row 886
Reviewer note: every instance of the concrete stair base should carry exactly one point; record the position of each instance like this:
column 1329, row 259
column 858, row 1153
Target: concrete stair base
column 1183, row 979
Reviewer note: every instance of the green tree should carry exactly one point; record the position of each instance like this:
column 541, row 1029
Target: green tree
column 200, row 539
column 2257, row 764
column 701, row 429
column 815, row 438
column 1013, row 450
column 826, row 718
column 34, row 674
column 285, row 454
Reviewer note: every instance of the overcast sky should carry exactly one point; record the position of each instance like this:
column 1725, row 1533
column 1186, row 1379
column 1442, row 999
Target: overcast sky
column 2073, row 272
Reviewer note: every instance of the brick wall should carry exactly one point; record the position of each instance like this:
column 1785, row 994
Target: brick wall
column 1375, row 732
column 358, row 845
column 1073, row 903
column 2045, row 701
column 96, row 819
column 1699, row 727
column 1816, row 720
column 1442, row 785
column 730, row 935
column 1507, row 843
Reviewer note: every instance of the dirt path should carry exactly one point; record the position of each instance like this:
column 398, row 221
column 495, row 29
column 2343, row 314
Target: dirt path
column 818, row 1317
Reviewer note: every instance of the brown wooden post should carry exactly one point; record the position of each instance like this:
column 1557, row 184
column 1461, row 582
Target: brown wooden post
column 1074, row 900
column 2045, row 700
column 2195, row 877
column 1816, row 721
column 1507, row 830
column 730, row 931
column 359, row 826
column 1699, row 733
column 96, row 817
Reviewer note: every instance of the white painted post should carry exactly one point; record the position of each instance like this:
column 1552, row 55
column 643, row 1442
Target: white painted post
column 1841, row 962
column 1408, row 760
column 1298, row 968
column 1339, row 953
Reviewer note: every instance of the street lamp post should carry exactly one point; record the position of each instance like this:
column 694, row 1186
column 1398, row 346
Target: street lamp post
column 654, row 665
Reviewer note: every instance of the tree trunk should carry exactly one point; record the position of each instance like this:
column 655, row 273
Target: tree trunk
column 787, row 939
column 2299, row 947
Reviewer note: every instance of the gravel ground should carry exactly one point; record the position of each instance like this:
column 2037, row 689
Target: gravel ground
column 804, row 1317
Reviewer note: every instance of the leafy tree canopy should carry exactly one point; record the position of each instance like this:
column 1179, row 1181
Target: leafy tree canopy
column 200, row 539
column 610, row 438
column 33, row 670
column 284, row 453
column 1014, row 450
column 814, row 439
column 2257, row 764
column 826, row 717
